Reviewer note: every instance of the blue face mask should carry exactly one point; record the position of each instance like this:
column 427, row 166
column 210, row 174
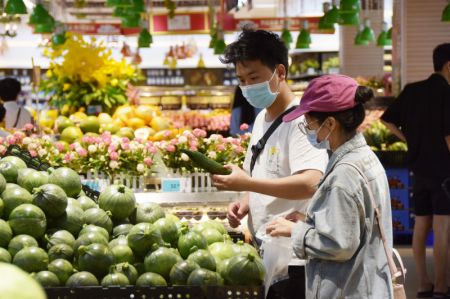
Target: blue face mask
column 312, row 138
column 259, row 95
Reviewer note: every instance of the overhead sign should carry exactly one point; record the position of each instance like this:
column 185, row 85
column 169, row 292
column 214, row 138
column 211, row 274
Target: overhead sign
column 100, row 29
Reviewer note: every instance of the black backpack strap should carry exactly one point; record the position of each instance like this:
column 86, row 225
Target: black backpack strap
column 18, row 117
column 259, row 147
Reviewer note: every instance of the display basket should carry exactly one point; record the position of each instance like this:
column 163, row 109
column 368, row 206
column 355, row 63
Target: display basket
column 393, row 159
column 175, row 292
column 37, row 164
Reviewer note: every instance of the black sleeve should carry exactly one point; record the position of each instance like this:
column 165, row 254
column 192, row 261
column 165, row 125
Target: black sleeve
column 447, row 113
column 393, row 113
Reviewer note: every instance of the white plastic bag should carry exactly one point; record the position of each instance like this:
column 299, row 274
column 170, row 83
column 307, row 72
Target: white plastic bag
column 277, row 254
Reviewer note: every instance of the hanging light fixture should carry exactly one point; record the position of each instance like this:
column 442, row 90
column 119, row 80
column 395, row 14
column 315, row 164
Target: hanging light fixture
column 39, row 15
column 333, row 14
column 323, row 22
column 201, row 62
column 359, row 40
column 349, row 12
column 131, row 21
column 286, row 35
column 219, row 45
column 367, row 33
column 145, row 39
column 304, row 37
column 15, row 7
column 446, row 13
column 213, row 35
column 383, row 39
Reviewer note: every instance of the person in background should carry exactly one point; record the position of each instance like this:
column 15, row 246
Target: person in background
column 242, row 113
column 279, row 181
column 421, row 117
column 16, row 117
column 339, row 234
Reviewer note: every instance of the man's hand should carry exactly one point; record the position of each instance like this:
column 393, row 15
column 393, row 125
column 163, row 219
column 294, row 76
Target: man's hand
column 280, row 228
column 236, row 181
column 236, row 211
column 296, row 217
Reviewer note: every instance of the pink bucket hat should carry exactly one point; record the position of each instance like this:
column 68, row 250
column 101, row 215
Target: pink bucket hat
column 328, row 93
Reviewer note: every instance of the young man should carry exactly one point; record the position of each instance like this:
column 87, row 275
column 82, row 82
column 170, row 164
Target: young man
column 287, row 171
column 421, row 117
column 16, row 116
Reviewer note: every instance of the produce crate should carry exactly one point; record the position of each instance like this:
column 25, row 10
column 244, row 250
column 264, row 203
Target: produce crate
column 176, row 292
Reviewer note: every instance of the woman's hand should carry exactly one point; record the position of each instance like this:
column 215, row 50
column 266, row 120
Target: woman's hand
column 296, row 217
column 280, row 228
column 238, row 180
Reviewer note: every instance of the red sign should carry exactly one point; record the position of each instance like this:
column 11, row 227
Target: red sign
column 188, row 23
column 100, row 29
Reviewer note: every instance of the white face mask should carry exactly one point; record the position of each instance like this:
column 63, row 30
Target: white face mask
column 312, row 138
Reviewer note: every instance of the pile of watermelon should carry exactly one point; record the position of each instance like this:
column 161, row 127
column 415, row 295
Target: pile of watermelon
column 52, row 230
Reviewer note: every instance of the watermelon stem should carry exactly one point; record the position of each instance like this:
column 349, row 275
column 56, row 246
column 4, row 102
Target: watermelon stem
column 121, row 188
column 251, row 257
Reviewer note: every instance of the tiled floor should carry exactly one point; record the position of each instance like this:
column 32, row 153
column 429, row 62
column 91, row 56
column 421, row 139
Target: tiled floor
column 411, row 278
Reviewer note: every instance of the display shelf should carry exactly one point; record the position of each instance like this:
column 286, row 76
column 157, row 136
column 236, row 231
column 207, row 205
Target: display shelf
column 202, row 198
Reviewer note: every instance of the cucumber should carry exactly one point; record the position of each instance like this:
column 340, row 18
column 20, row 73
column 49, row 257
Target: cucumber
column 203, row 162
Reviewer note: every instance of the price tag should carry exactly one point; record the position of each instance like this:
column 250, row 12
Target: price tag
column 171, row 185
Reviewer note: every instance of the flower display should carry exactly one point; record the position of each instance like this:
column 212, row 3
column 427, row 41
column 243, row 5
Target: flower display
column 83, row 73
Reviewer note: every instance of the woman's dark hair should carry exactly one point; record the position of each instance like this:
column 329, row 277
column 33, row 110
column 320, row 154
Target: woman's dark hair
column 2, row 113
column 9, row 89
column 349, row 119
column 261, row 45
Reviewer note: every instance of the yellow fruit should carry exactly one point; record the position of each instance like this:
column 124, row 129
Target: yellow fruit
column 118, row 122
column 46, row 122
column 160, row 123
column 63, row 122
column 135, row 123
column 126, row 132
column 144, row 133
column 32, row 111
column 124, row 112
column 90, row 124
column 71, row 134
column 145, row 113
column 77, row 117
column 111, row 127
column 163, row 135
column 104, row 118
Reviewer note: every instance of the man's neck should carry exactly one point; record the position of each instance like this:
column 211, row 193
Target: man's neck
column 281, row 103
column 445, row 75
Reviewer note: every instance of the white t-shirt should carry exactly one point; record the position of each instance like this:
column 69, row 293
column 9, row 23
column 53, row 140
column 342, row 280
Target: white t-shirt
column 287, row 152
column 12, row 112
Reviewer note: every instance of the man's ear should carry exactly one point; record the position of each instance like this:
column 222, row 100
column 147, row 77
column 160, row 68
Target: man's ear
column 282, row 71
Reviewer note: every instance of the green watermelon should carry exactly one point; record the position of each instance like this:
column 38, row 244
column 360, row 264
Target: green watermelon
column 14, row 197
column 128, row 270
column 244, row 248
column 17, row 284
column 19, row 163
column 204, row 259
column 151, row 280
column 90, row 228
column 82, row 279
column 46, row 279
column 204, row 277
column 115, row 279
column 62, row 269
column 31, row 259
column 71, row 221
column 61, row 251
column 169, row 230
column 245, row 270
column 74, row 203
column 67, row 179
column 19, row 242
column 9, row 172
column 51, row 199
column 2, row 207
column 5, row 233
column 119, row 200
column 95, row 258
column 122, row 254
column 29, row 220
column 223, row 250
column 190, row 240
column 180, row 272
column 147, row 212
column 60, row 237
column 99, row 217
column 161, row 261
column 88, row 239
column 120, row 241
column 122, row 230
column 32, row 179
column 5, row 256
column 142, row 237
column 86, row 203
column 212, row 235
column 2, row 184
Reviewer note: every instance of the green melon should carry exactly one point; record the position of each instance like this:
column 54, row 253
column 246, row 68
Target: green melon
column 82, row 279
column 9, row 171
column 142, row 237
column 122, row 254
column 119, row 200
column 46, row 279
column 19, row 242
column 95, row 258
column 161, row 261
column 204, row 277
column 29, row 220
column 60, row 237
column 99, row 217
column 5, row 256
column 61, row 251
column 31, row 179
column 72, row 220
column 128, row 270
column 14, row 197
column 16, row 161
column 151, row 280
column 86, row 203
column 67, row 179
column 180, row 272
column 51, row 199
column 147, row 212
column 5, row 233
column 203, row 258
column 62, row 269
column 90, row 228
column 17, row 284
column 31, row 259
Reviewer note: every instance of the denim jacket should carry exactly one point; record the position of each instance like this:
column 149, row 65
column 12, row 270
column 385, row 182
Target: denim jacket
column 339, row 237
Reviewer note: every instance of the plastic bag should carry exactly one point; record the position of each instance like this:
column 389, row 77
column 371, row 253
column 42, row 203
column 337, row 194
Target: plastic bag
column 277, row 254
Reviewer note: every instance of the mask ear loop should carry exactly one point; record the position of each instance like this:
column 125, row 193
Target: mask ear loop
column 278, row 87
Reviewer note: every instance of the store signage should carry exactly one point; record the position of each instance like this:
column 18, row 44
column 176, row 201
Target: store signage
column 100, row 29
column 188, row 23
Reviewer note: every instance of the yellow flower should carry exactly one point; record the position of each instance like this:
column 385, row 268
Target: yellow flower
column 66, row 86
column 49, row 74
column 114, row 82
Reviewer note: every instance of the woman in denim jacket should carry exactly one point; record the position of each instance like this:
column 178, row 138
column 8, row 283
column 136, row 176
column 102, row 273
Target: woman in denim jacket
column 339, row 235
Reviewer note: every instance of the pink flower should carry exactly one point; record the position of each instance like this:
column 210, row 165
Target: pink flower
column 167, row 133
column 174, row 141
column 239, row 149
column 112, row 148
column 236, row 141
column 148, row 161
column 60, row 146
column 82, row 152
column 114, row 156
column 220, row 148
column 72, row 146
column 125, row 146
column 193, row 148
column 33, row 153
column 106, row 139
column 170, row 148
column 193, row 143
column 85, row 139
column 153, row 150
column 244, row 127
column 28, row 127
column 138, row 140
column 68, row 157
column 125, row 140
column 3, row 149
column 199, row 133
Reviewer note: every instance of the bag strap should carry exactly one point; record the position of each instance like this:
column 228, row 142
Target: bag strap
column 18, row 117
column 388, row 251
column 259, row 147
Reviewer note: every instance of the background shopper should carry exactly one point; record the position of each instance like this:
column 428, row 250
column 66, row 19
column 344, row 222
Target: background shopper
column 16, row 116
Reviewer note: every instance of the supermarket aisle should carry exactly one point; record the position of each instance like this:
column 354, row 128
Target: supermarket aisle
column 411, row 279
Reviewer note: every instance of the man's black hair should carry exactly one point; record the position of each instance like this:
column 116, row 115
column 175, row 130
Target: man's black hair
column 441, row 55
column 261, row 45
column 9, row 89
